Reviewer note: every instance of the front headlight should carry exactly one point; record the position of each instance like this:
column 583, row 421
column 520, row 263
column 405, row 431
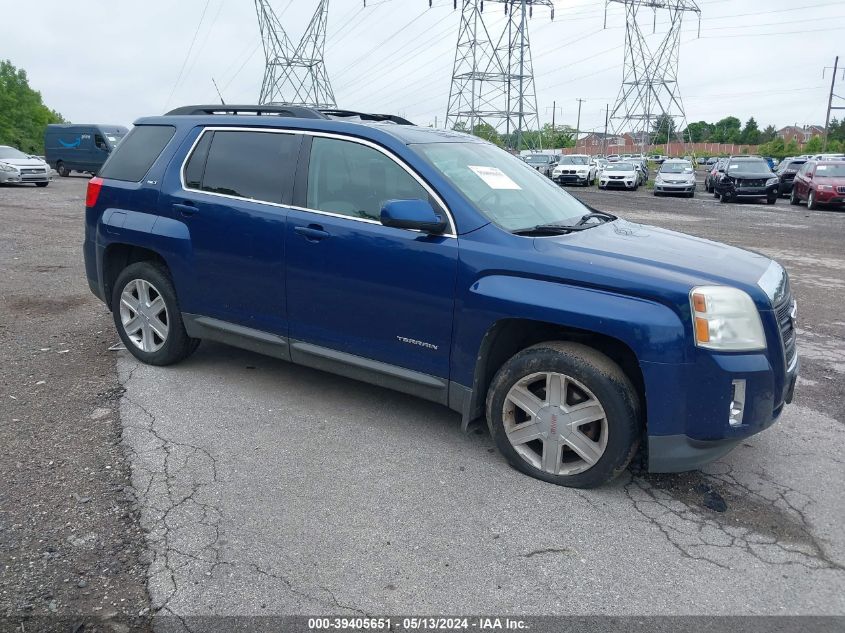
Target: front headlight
column 726, row 319
column 5, row 167
column 825, row 187
column 772, row 181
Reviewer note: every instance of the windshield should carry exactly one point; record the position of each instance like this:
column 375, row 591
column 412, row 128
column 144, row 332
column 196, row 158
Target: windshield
column 676, row 168
column 574, row 160
column 619, row 167
column 11, row 152
column 537, row 160
column 795, row 165
column 830, row 171
column 500, row 187
column 748, row 167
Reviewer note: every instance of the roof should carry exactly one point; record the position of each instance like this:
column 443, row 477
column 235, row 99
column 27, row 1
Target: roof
column 300, row 117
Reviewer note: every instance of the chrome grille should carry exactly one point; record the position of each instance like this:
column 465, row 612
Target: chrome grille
column 786, row 323
column 840, row 189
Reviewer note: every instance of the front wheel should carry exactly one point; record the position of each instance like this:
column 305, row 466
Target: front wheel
column 725, row 197
column 812, row 205
column 772, row 198
column 564, row 413
column 147, row 316
column 41, row 184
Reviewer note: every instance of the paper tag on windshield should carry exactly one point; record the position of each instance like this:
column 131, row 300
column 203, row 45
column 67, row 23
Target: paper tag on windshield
column 494, row 177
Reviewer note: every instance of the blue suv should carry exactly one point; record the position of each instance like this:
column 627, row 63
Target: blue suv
column 434, row 263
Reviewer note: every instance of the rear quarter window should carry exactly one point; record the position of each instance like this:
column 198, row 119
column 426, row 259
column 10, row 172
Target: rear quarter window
column 133, row 157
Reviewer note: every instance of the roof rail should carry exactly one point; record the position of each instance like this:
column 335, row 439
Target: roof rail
column 300, row 112
column 296, row 111
column 364, row 116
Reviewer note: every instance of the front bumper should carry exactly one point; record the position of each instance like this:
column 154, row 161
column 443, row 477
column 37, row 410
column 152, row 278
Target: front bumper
column 829, row 197
column 755, row 192
column 19, row 177
column 664, row 187
column 693, row 427
column 620, row 184
column 571, row 179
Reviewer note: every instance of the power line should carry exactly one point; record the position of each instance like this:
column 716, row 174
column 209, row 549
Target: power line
column 190, row 48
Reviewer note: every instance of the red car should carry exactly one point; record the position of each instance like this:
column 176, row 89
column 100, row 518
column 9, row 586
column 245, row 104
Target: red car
column 819, row 182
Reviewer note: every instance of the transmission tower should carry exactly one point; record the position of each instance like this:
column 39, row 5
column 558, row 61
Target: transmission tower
column 649, row 90
column 493, row 78
column 294, row 74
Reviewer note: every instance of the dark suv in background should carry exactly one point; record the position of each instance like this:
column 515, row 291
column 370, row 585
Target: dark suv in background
column 787, row 169
column 747, row 178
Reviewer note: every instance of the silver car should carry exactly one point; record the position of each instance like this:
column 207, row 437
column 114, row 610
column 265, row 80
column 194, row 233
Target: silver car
column 17, row 167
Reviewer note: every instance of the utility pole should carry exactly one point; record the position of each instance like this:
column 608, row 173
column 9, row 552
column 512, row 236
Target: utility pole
column 830, row 105
column 606, row 118
column 578, row 124
column 521, row 71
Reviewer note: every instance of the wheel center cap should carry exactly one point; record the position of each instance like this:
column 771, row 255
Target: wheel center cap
column 552, row 421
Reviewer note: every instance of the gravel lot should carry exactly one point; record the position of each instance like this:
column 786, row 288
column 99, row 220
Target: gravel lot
column 266, row 488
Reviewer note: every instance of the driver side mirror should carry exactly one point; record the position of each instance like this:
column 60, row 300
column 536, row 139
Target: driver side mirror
column 417, row 215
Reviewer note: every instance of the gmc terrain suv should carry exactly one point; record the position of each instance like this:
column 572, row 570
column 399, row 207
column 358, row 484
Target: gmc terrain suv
column 437, row 264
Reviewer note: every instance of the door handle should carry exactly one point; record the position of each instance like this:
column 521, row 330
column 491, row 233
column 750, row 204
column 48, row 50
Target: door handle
column 312, row 232
column 186, row 209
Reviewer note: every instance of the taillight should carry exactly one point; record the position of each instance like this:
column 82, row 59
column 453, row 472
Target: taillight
column 94, row 186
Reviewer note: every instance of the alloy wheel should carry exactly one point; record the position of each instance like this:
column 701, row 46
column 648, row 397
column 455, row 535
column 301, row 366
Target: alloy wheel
column 555, row 423
column 143, row 315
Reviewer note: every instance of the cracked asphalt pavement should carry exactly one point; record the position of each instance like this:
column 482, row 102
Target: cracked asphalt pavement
column 271, row 489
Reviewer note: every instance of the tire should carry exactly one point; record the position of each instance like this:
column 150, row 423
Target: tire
column 725, row 197
column 657, row 194
column 793, row 198
column 152, row 348
column 716, row 194
column 591, row 377
column 812, row 205
column 41, row 184
column 63, row 171
column 772, row 199
column 691, row 194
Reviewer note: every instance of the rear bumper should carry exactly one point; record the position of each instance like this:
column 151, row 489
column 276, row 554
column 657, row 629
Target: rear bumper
column 786, row 186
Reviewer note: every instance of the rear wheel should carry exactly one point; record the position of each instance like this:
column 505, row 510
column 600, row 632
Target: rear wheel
column 147, row 316
column 564, row 413
column 62, row 170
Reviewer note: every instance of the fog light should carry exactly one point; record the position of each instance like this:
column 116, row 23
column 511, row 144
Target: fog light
column 737, row 402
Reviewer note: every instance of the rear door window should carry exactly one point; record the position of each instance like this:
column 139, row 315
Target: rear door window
column 132, row 159
column 254, row 165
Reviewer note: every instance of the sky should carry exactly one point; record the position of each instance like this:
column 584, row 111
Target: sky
column 112, row 61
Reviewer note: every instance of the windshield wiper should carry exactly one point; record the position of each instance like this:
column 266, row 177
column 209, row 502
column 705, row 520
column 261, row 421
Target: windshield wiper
column 598, row 215
column 554, row 229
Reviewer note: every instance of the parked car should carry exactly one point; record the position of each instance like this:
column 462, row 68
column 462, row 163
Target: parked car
column 641, row 166
column 711, row 161
column 544, row 163
column 19, row 168
column 747, row 178
column 675, row 176
column 621, row 175
column 576, row 333
column 575, row 169
column 826, row 157
column 714, row 174
column 819, row 183
column 701, row 160
column 612, row 158
column 786, row 173
column 83, row 148
column 600, row 164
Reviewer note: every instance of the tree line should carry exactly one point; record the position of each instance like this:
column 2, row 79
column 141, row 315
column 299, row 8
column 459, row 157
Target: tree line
column 23, row 115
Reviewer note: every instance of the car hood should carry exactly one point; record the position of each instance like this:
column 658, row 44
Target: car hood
column 755, row 175
column 655, row 262
column 23, row 162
